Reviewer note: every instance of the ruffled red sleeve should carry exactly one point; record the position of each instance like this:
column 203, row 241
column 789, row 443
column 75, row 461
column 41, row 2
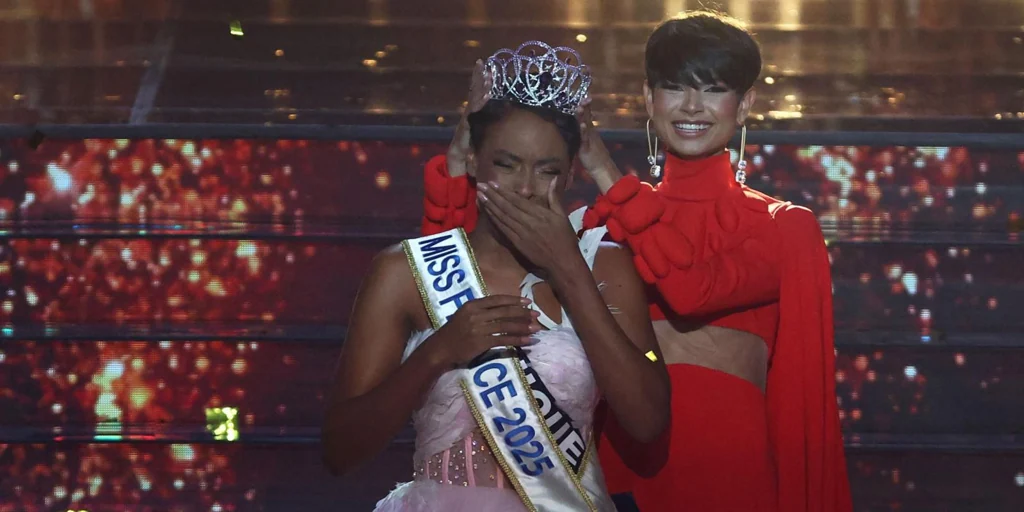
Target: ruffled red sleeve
column 803, row 417
column 448, row 202
column 670, row 253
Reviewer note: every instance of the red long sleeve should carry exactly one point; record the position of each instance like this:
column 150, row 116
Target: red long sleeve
column 736, row 250
column 448, row 202
column 703, row 259
column 803, row 417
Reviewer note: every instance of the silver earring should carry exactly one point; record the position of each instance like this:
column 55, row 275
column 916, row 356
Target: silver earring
column 741, row 165
column 652, row 153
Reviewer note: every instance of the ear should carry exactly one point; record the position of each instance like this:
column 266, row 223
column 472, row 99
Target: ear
column 649, row 100
column 471, row 164
column 746, row 103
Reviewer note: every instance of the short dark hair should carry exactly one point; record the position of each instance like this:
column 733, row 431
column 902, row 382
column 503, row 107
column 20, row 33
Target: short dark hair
column 702, row 48
column 496, row 110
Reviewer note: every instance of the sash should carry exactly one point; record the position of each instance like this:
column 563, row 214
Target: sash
column 543, row 455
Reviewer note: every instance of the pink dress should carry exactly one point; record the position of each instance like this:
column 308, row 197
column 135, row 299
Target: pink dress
column 454, row 469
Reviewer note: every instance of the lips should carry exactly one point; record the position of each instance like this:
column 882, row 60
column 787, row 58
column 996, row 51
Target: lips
column 691, row 129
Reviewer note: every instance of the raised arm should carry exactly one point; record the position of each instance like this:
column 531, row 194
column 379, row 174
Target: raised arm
column 448, row 202
column 669, row 252
column 616, row 345
column 621, row 347
column 449, row 196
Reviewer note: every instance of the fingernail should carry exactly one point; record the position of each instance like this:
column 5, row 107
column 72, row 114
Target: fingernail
column 481, row 186
column 493, row 184
column 480, row 195
column 535, row 314
column 534, row 328
column 524, row 300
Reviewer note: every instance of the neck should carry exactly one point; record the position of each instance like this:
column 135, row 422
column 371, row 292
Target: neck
column 700, row 178
column 713, row 159
column 697, row 158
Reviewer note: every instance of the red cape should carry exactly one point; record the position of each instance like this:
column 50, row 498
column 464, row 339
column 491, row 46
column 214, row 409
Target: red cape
column 803, row 415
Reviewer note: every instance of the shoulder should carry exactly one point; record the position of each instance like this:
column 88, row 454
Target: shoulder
column 798, row 226
column 390, row 274
column 613, row 261
column 392, row 259
column 759, row 201
column 613, row 252
column 789, row 215
column 389, row 289
column 783, row 212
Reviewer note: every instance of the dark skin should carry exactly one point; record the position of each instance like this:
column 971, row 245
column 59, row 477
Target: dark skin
column 528, row 161
column 525, row 153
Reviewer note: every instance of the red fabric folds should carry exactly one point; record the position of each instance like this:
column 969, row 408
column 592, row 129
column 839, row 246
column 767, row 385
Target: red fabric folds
column 803, row 416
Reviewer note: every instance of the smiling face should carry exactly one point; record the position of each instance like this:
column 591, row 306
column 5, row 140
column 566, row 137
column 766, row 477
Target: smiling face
column 700, row 72
column 524, row 153
column 699, row 121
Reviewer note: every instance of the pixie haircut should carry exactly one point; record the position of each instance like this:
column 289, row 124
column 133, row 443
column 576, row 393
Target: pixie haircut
column 699, row 49
column 496, row 110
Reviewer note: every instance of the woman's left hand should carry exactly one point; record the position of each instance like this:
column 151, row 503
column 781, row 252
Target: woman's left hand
column 542, row 234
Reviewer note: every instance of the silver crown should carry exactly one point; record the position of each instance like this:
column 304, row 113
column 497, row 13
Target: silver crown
column 538, row 75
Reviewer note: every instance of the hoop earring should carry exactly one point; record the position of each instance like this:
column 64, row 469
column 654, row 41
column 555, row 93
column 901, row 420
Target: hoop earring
column 652, row 153
column 741, row 165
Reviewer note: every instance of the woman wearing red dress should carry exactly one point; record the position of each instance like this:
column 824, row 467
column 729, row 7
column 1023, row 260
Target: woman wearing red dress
column 741, row 292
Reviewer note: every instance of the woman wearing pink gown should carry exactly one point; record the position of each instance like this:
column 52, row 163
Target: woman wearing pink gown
column 573, row 305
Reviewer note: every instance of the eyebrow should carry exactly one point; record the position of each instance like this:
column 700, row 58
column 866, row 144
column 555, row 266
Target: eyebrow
column 547, row 161
column 510, row 156
column 506, row 154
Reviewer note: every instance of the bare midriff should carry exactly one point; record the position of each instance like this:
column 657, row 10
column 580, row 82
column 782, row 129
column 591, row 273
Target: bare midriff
column 737, row 353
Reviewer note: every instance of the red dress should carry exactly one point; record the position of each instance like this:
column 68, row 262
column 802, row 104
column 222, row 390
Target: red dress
column 719, row 253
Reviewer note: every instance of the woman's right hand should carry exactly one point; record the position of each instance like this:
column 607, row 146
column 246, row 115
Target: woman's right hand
column 482, row 324
column 460, row 150
column 593, row 155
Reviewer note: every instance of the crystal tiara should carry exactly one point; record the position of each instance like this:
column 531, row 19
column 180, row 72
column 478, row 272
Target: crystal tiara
column 538, row 75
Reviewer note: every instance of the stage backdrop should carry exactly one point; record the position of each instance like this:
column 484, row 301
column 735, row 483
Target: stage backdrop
column 172, row 309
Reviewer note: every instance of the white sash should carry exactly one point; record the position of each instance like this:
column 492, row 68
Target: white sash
column 544, row 456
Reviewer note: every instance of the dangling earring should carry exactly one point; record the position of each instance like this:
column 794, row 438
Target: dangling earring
column 652, row 153
column 741, row 165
